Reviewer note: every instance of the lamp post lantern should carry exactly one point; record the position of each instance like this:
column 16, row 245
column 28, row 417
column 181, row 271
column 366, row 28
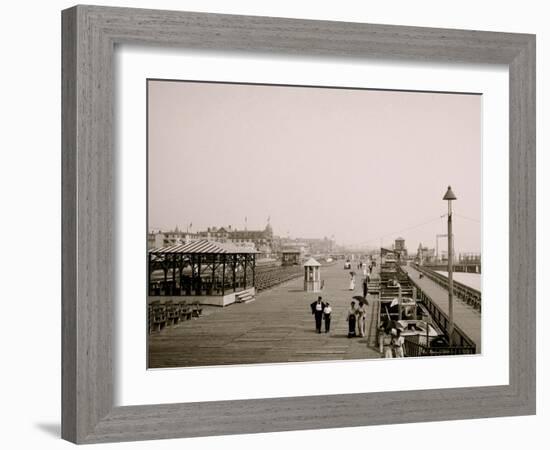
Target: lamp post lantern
column 450, row 196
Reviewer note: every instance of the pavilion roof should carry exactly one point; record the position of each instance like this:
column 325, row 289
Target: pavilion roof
column 203, row 247
column 312, row 262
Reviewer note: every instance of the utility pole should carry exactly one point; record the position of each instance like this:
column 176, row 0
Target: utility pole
column 450, row 196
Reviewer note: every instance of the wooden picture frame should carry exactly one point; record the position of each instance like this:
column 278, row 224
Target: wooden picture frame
column 89, row 37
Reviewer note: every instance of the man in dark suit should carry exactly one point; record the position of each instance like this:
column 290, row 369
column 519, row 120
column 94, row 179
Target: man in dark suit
column 317, row 308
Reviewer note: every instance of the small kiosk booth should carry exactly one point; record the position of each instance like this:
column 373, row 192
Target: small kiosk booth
column 312, row 276
column 290, row 257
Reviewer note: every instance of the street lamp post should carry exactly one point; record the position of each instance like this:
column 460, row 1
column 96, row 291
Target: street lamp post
column 450, row 196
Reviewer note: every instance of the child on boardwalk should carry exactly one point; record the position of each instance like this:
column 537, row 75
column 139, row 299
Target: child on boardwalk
column 326, row 315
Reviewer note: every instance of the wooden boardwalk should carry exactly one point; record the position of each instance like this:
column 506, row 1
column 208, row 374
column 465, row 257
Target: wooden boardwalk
column 277, row 327
column 466, row 317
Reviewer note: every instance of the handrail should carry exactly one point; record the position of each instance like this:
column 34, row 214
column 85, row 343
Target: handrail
column 273, row 276
column 458, row 283
column 415, row 349
column 441, row 319
column 466, row 293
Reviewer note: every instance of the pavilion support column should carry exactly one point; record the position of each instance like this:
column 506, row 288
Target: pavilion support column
column 199, row 278
column 193, row 280
column 180, row 269
column 186, row 260
column 213, row 284
column 244, row 272
column 165, row 270
column 234, row 266
column 223, row 275
column 149, row 274
column 254, row 270
column 173, row 274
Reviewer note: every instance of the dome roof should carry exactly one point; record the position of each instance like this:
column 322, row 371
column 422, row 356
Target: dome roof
column 311, row 262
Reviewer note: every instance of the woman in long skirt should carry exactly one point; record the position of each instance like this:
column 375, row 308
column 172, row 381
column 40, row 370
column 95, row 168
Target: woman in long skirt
column 352, row 283
column 351, row 320
column 397, row 342
column 361, row 313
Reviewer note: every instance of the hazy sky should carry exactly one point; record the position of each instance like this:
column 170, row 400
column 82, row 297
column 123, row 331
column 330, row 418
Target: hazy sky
column 356, row 164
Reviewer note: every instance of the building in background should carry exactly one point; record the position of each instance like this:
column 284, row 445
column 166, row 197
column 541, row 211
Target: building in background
column 261, row 240
column 265, row 242
column 425, row 255
column 159, row 239
column 309, row 246
column 400, row 249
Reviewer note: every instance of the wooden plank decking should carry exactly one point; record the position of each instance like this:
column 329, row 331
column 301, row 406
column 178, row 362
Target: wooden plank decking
column 277, row 327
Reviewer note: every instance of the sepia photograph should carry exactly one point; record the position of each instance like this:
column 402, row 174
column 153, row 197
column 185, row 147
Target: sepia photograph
column 295, row 224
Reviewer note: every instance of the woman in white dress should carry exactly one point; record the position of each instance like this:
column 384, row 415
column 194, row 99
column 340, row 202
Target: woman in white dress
column 352, row 282
column 361, row 313
column 397, row 342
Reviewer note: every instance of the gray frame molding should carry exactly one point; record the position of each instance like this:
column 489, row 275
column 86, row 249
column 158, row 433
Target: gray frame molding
column 89, row 36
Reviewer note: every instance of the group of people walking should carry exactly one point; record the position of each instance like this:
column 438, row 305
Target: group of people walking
column 357, row 318
column 366, row 279
column 367, row 268
column 322, row 312
column 390, row 340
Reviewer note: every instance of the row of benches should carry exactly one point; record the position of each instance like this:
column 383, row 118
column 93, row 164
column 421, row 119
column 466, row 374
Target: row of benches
column 267, row 277
column 388, row 275
column 170, row 313
column 205, row 287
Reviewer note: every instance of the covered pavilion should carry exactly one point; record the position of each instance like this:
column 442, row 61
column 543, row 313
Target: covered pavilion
column 201, row 269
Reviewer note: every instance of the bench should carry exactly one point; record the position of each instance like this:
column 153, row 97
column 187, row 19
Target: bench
column 185, row 312
column 197, row 309
column 157, row 316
